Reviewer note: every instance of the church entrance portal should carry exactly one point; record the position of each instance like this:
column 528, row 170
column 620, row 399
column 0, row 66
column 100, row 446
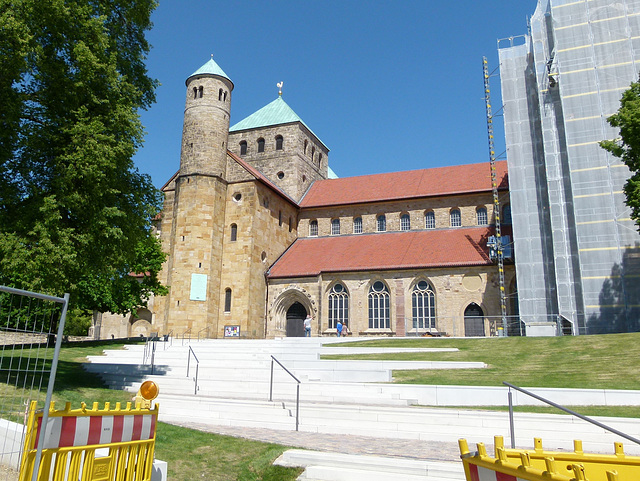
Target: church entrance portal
column 295, row 320
column 473, row 321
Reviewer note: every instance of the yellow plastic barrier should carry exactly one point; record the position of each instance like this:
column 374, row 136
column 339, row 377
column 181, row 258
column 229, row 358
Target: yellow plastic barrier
column 538, row 464
column 125, row 439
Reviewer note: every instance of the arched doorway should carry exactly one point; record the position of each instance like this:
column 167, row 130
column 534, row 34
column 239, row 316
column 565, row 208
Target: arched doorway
column 140, row 323
column 473, row 321
column 295, row 320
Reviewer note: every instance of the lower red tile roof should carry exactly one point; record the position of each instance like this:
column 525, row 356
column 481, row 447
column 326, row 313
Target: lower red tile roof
column 311, row 256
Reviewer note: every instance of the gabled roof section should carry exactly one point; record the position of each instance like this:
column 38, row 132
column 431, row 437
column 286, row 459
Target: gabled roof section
column 311, row 256
column 459, row 179
column 210, row 68
column 277, row 112
column 261, row 177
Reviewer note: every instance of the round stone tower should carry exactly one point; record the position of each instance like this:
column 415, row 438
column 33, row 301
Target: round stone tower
column 206, row 122
column 198, row 211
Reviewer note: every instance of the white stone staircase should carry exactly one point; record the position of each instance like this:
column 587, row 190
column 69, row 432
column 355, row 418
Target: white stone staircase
column 233, row 381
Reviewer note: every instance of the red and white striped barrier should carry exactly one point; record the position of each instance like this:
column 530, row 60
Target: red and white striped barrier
column 68, row 431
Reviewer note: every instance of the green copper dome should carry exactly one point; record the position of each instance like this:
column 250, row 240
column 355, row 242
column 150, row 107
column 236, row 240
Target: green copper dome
column 210, row 68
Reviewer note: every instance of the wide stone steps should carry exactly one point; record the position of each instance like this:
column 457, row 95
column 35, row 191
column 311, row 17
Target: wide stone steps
column 321, row 466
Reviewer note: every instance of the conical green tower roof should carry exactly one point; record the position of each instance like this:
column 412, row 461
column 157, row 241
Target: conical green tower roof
column 210, row 68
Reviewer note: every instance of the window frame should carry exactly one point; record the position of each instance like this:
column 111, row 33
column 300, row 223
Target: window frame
column 261, row 143
column 423, row 306
column 335, row 226
column 244, row 147
column 357, row 225
column 313, row 228
column 234, row 233
column 338, row 303
column 455, row 218
column 405, row 222
column 381, row 223
column 430, row 220
column 482, row 217
column 379, row 307
column 279, row 142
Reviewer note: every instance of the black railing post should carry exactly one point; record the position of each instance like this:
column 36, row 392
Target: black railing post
column 513, row 436
column 297, row 405
column 271, row 383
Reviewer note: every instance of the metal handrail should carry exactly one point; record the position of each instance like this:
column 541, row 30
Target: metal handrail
column 562, row 408
column 191, row 351
column 297, row 388
column 150, row 350
column 166, row 338
column 203, row 329
column 188, row 331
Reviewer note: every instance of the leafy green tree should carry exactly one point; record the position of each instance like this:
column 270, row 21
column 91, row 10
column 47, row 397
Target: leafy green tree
column 627, row 148
column 75, row 214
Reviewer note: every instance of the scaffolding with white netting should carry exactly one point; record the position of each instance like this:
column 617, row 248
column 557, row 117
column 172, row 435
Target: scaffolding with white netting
column 577, row 249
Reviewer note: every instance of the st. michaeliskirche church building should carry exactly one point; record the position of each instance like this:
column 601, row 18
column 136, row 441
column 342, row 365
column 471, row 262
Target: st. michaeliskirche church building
column 259, row 233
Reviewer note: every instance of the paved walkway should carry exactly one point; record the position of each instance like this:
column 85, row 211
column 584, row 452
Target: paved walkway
column 340, row 443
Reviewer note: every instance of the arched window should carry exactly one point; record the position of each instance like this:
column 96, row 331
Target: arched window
column 234, row 232
column 335, row 226
column 357, row 225
column 227, row 300
column 506, row 215
column 279, row 141
column 338, row 306
column 224, row 97
column 200, row 91
column 195, row 92
column 304, row 149
column 290, row 224
column 379, row 306
column 423, row 302
column 405, row 222
column 220, row 94
column 279, row 217
column 430, row 220
column 313, row 228
column 381, row 223
column 243, row 147
column 261, row 145
column 481, row 216
column 455, row 219
column 319, row 159
column 313, row 154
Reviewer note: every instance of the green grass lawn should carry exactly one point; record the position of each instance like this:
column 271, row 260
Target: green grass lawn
column 609, row 361
column 190, row 454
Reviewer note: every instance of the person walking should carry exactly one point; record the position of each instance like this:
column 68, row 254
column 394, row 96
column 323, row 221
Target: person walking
column 338, row 328
column 307, row 326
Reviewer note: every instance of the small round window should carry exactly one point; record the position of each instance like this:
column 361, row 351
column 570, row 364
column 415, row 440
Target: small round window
column 423, row 285
column 237, row 197
column 338, row 288
column 280, row 175
column 378, row 286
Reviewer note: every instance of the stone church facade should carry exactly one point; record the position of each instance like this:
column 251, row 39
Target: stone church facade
column 258, row 236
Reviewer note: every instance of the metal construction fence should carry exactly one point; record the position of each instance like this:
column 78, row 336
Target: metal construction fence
column 31, row 327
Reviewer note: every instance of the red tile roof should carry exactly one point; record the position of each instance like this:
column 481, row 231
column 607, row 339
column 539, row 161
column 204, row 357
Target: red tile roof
column 311, row 256
column 459, row 179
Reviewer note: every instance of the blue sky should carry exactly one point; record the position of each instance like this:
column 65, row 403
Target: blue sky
column 387, row 86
